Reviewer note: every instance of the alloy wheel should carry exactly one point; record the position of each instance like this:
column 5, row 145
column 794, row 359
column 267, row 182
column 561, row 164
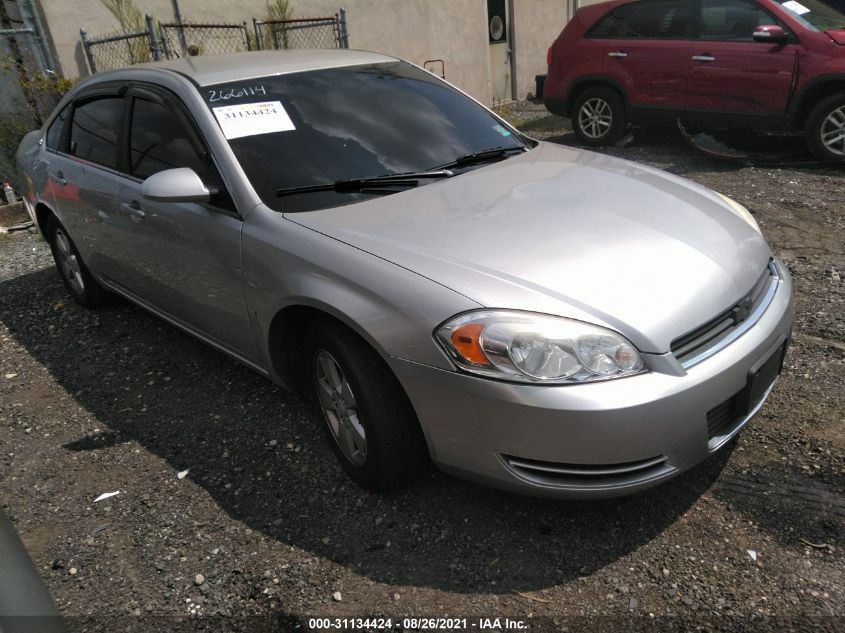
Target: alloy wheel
column 833, row 131
column 69, row 262
column 340, row 408
column 595, row 118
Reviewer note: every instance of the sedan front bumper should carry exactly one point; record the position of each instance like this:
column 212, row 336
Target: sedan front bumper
column 599, row 439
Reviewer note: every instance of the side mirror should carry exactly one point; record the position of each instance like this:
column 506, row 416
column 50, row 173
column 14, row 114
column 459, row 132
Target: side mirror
column 769, row 33
column 175, row 185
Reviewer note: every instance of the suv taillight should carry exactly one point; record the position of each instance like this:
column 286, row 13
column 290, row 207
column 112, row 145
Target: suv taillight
column 549, row 56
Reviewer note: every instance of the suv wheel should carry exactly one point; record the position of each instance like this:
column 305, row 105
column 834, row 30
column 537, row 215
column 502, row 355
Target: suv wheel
column 825, row 129
column 599, row 117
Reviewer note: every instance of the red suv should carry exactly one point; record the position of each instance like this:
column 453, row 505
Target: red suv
column 767, row 64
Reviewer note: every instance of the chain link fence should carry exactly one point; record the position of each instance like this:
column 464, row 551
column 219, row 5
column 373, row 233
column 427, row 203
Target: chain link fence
column 117, row 50
column 302, row 33
column 171, row 40
column 183, row 39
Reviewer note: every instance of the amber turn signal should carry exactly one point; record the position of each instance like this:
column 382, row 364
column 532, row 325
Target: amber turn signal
column 467, row 341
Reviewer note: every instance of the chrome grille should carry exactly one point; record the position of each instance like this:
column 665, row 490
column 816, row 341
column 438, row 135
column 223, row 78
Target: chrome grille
column 707, row 339
column 587, row 475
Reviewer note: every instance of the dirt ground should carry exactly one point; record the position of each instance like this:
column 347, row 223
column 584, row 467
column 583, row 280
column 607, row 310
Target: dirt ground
column 265, row 532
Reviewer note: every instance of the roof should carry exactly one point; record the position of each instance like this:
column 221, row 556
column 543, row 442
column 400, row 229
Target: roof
column 207, row 70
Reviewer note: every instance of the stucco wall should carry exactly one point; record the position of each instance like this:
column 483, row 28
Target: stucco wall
column 536, row 24
column 452, row 30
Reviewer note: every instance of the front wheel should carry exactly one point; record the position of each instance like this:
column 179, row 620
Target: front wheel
column 373, row 429
column 599, row 117
column 825, row 129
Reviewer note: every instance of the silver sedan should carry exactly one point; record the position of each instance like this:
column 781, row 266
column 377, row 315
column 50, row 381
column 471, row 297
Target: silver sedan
column 543, row 319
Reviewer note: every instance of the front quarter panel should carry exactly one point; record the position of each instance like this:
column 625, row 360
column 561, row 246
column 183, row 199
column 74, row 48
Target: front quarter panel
column 394, row 309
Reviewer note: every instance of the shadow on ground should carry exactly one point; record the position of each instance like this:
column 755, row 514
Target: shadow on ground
column 727, row 148
column 190, row 405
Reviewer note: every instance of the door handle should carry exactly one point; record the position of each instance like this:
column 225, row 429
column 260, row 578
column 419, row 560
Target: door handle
column 618, row 54
column 133, row 208
column 59, row 177
column 706, row 57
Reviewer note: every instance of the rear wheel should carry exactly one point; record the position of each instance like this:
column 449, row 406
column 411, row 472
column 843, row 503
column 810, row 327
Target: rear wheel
column 374, row 431
column 599, row 117
column 825, row 129
column 77, row 279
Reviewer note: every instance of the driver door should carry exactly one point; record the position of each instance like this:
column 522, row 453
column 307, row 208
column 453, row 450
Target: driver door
column 730, row 73
column 180, row 259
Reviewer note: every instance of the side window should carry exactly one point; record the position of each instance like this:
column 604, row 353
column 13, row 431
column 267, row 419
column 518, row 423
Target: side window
column 158, row 140
column 54, row 132
column 93, row 134
column 665, row 19
column 732, row 19
column 611, row 25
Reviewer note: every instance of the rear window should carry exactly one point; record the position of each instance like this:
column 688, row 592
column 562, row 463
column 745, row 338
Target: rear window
column 57, row 127
column 317, row 127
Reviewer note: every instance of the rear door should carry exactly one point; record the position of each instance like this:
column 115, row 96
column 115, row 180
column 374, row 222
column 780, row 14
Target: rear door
column 646, row 50
column 182, row 259
column 82, row 172
column 730, row 73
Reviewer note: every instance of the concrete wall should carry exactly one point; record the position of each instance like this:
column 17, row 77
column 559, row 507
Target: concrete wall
column 417, row 30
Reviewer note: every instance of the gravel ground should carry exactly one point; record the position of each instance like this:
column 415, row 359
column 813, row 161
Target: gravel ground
column 265, row 531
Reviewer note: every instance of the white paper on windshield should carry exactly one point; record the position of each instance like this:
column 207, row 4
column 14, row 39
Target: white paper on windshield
column 795, row 7
column 249, row 119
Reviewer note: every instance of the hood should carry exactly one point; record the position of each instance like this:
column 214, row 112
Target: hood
column 567, row 232
column 837, row 35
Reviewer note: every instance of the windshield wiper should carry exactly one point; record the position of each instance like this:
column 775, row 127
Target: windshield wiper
column 376, row 183
column 494, row 153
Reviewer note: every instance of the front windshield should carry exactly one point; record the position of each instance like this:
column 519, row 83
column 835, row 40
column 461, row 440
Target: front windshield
column 814, row 14
column 318, row 127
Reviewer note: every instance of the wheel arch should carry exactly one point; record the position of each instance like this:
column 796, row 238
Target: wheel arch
column 286, row 337
column 42, row 216
column 593, row 81
column 286, row 346
column 815, row 90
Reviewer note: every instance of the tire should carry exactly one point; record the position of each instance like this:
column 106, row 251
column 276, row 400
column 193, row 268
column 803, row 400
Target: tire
column 599, row 117
column 74, row 273
column 367, row 416
column 824, row 131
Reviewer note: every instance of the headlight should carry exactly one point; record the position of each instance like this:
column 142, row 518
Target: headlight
column 535, row 348
column 741, row 211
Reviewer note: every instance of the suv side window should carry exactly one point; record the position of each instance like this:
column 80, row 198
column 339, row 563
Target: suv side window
column 93, row 135
column 57, row 128
column 663, row 19
column 613, row 24
column 732, row 20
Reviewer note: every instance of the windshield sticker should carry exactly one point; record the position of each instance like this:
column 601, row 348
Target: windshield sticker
column 795, row 7
column 234, row 92
column 249, row 119
column 501, row 130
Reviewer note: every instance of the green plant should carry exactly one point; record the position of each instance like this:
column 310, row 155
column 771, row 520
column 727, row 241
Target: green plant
column 41, row 92
column 131, row 20
column 278, row 10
